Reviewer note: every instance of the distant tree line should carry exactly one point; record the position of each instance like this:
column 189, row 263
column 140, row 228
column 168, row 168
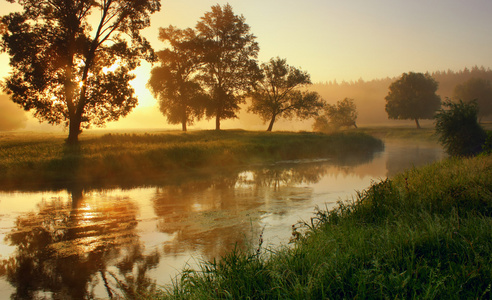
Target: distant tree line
column 369, row 96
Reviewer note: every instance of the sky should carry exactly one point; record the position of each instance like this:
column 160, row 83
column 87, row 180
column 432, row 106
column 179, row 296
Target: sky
column 342, row 40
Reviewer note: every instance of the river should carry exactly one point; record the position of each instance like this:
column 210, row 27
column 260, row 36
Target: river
column 89, row 244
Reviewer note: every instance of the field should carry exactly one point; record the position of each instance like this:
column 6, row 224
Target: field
column 45, row 161
column 426, row 234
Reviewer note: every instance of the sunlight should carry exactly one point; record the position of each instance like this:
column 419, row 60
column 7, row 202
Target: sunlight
column 113, row 67
column 145, row 98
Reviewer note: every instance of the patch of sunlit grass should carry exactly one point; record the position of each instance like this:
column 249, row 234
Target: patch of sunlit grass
column 112, row 157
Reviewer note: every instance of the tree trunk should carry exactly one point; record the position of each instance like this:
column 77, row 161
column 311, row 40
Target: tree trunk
column 183, row 126
column 217, row 122
column 355, row 125
column 270, row 127
column 417, row 123
column 74, row 130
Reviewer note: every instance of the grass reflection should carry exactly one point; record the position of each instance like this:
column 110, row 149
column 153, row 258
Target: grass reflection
column 133, row 160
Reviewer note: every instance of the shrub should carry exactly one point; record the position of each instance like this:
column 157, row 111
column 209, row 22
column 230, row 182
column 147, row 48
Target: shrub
column 458, row 128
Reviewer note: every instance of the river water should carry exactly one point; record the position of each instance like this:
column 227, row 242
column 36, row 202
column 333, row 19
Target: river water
column 90, row 244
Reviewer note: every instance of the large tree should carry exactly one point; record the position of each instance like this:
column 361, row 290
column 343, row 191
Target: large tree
column 173, row 82
column 413, row 97
column 69, row 70
column 277, row 94
column 478, row 89
column 230, row 66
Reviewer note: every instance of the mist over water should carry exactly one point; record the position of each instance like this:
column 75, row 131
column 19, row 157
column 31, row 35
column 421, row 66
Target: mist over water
column 81, row 242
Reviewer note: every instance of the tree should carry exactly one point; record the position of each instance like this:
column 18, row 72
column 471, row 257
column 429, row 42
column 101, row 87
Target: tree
column 174, row 83
column 343, row 113
column 230, row 66
column 69, row 72
column 413, row 97
column 458, row 128
column 476, row 89
column 277, row 93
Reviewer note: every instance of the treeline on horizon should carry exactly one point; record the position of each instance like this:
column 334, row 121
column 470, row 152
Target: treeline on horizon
column 369, row 95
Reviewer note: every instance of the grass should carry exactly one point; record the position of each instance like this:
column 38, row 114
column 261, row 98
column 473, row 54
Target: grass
column 133, row 159
column 424, row 134
column 426, row 234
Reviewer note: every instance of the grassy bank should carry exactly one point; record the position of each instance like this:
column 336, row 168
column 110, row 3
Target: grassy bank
column 426, row 233
column 137, row 158
column 424, row 134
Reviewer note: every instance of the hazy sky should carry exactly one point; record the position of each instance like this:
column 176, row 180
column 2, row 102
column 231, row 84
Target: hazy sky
column 347, row 40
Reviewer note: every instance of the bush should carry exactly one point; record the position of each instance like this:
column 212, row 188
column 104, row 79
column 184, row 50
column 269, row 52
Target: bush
column 458, row 128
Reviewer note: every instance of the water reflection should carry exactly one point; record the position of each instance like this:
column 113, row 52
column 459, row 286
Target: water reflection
column 105, row 243
column 406, row 155
column 67, row 248
column 213, row 214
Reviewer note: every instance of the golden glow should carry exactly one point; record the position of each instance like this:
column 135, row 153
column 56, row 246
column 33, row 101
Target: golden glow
column 342, row 40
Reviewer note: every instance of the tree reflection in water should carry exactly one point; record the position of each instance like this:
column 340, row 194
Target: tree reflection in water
column 74, row 249
column 214, row 214
column 90, row 245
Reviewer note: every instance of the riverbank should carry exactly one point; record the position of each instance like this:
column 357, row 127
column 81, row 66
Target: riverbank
column 44, row 161
column 425, row 233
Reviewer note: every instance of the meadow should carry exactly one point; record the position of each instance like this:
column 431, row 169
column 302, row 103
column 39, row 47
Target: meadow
column 45, row 161
column 426, row 234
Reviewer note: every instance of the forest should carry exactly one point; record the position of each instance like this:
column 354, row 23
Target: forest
column 369, row 95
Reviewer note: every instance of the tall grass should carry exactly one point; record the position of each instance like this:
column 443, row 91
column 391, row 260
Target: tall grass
column 117, row 158
column 426, row 234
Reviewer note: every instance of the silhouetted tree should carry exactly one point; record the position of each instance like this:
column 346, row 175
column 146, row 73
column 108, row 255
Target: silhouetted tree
column 68, row 71
column 277, row 93
column 458, row 128
column 230, row 66
column 413, row 97
column 478, row 89
column 344, row 113
column 174, row 83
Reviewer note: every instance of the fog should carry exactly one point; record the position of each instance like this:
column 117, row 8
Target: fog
column 11, row 115
column 367, row 95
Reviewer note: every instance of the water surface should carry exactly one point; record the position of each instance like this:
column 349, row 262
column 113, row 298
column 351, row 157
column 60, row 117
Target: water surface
column 83, row 243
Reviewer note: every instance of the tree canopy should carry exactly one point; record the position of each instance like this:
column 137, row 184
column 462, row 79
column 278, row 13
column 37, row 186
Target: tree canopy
column 68, row 70
column 174, row 82
column 277, row 93
column 229, row 56
column 413, row 97
column 343, row 113
column 478, row 89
